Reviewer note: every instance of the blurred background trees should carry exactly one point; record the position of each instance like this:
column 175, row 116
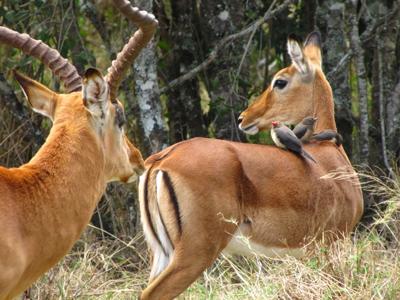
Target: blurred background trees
column 208, row 61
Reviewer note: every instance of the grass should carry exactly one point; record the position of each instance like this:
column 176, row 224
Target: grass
column 105, row 269
column 363, row 266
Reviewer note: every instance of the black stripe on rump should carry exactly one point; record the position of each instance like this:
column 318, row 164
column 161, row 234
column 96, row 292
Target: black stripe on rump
column 146, row 207
column 174, row 199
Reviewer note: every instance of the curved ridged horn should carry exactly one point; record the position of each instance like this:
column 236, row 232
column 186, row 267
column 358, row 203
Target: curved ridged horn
column 49, row 56
column 147, row 24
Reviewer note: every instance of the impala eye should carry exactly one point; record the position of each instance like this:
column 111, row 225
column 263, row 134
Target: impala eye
column 280, row 83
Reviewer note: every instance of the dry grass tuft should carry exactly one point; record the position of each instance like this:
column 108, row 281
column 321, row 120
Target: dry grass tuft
column 105, row 269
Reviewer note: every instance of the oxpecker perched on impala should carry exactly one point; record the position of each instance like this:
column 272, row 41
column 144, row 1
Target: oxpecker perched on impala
column 328, row 135
column 305, row 129
column 284, row 138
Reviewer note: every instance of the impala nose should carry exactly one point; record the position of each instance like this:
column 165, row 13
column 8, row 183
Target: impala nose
column 240, row 119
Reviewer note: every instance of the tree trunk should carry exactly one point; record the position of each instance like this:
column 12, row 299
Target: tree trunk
column 334, row 49
column 393, row 133
column 150, row 121
column 384, row 109
column 361, row 82
column 389, row 37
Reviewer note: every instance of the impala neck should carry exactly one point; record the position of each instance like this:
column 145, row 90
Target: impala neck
column 323, row 104
column 67, row 178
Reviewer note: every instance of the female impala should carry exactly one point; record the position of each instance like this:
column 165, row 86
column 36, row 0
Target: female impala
column 200, row 196
column 46, row 203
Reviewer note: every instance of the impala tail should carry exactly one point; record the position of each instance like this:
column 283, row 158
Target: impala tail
column 160, row 217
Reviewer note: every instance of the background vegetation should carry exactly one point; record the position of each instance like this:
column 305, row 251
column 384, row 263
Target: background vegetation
column 208, row 61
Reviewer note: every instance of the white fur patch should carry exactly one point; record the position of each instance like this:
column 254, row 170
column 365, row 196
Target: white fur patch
column 161, row 259
column 95, row 92
column 242, row 245
column 251, row 131
column 297, row 56
column 150, row 238
column 276, row 140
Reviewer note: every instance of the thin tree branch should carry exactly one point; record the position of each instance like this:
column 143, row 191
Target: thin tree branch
column 341, row 65
column 249, row 43
column 98, row 21
column 224, row 43
column 377, row 23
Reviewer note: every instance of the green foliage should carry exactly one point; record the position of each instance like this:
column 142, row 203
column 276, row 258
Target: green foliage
column 263, row 137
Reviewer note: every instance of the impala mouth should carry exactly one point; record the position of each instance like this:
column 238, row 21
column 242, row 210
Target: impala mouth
column 137, row 172
column 250, row 129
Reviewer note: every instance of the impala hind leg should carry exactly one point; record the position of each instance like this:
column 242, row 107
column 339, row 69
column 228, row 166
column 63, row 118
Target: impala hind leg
column 185, row 267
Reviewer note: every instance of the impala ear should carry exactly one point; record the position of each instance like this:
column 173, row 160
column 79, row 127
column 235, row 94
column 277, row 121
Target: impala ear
column 42, row 99
column 297, row 55
column 95, row 93
column 312, row 48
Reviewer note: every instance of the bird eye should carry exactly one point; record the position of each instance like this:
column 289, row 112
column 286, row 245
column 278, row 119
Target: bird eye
column 280, row 83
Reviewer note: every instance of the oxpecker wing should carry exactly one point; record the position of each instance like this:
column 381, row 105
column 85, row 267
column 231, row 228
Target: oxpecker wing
column 284, row 138
column 305, row 129
column 287, row 138
column 328, row 135
column 300, row 130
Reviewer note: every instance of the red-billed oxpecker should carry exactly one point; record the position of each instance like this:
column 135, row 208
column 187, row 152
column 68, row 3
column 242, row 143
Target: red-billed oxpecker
column 305, row 132
column 284, row 138
column 305, row 129
column 328, row 135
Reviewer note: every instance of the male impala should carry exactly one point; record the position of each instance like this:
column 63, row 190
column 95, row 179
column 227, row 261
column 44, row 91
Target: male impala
column 46, row 203
column 200, row 196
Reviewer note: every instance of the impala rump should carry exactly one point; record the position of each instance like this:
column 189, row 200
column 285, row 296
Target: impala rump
column 161, row 217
